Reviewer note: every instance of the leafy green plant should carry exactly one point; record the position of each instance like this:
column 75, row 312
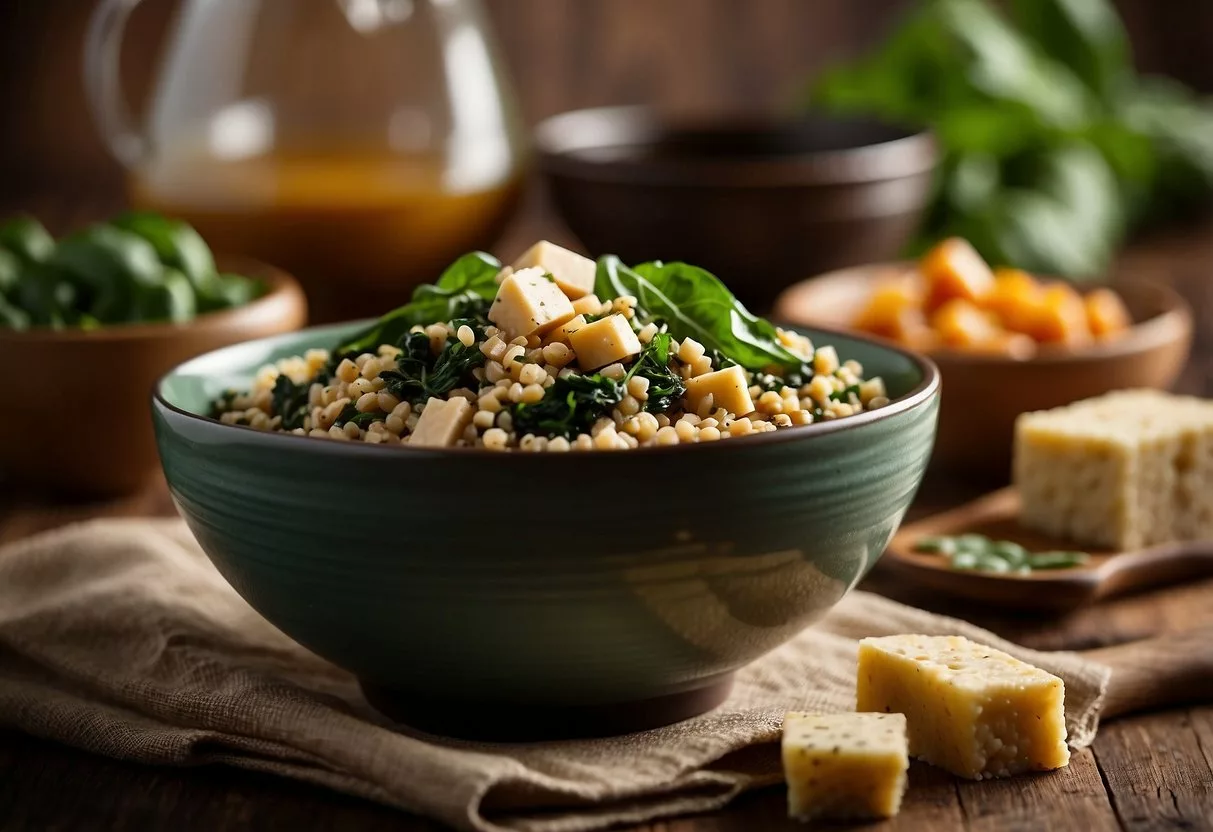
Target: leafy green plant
column 1054, row 149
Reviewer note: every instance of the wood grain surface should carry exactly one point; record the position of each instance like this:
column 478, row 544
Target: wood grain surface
column 1150, row 771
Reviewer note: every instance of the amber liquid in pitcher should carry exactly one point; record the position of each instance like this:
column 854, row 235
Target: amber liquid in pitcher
column 359, row 230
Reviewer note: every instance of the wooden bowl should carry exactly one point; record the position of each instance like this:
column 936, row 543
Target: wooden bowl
column 760, row 203
column 983, row 394
column 76, row 414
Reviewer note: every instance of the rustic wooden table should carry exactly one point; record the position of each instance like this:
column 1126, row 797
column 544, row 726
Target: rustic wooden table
column 1146, row 772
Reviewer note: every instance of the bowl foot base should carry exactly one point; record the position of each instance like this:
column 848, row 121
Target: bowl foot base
column 496, row 721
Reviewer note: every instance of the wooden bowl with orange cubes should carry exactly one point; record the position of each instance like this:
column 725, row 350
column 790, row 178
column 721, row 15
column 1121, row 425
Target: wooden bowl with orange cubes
column 1006, row 342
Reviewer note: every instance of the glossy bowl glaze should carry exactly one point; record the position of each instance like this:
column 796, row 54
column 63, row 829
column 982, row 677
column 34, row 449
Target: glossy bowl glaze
column 984, row 394
column 759, row 202
column 94, row 436
column 542, row 594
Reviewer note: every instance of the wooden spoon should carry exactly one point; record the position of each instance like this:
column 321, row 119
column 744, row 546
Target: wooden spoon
column 996, row 516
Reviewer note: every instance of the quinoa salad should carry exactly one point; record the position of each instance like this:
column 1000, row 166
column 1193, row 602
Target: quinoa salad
column 557, row 352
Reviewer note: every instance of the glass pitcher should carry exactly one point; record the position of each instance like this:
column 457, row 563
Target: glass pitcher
column 360, row 144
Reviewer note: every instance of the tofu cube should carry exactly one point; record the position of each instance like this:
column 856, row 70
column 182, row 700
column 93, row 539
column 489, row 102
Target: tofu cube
column 1122, row 471
column 588, row 305
column 604, row 342
column 573, row 273
column 442, row 422
column 970, row 709
column 728, row 388
column 844, row 766
column 529, row 303
column 562, row 332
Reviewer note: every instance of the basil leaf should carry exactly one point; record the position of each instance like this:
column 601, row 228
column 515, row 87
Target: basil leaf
column 1085, row 35
column 693, row 303
column 464, row 290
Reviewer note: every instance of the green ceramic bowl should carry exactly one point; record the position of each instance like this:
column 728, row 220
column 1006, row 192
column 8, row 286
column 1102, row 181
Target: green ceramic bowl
column 534, row 595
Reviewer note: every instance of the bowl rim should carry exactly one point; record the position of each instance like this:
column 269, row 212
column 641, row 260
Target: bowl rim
column 555, row 139
column 281, row 287
column 921, row 394
column 1173, row 323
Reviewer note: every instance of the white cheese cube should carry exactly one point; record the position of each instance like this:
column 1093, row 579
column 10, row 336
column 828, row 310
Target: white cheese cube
column 529, row 303
column 573, row 273
column 970, row 709
column 604, row 342
column 442, row 422
column 561, row 333
column 844, row 766
column 727, row 387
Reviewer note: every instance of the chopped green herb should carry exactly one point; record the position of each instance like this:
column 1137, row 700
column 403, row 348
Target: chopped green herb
column 290, row 401
column 666, row 387
column 419, row 374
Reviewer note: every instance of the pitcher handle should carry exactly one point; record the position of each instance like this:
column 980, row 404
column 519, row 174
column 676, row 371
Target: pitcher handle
column 102, row 80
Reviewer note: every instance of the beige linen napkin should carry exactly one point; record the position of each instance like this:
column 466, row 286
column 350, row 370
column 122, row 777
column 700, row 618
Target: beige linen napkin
column 119, row 637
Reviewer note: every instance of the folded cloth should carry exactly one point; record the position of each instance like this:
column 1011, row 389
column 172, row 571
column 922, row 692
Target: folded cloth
column 119, row 637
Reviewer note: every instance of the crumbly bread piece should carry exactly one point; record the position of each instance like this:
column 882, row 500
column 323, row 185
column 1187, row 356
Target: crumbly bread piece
column 844, row 766
column 1125, row 470
column 970, row 709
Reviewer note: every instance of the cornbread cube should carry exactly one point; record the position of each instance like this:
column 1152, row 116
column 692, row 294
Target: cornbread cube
column 843, row 766
column 561, row 333
column 573, row 273
column 728, row 388
column 442, row 422
column 529, row 303
column 604, row 342
column 970, row 709
column 1126, row 470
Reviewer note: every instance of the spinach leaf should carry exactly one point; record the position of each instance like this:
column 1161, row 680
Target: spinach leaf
column 693, row 303
column 844, row 395
column 27, row 238
column 569, row 407
column 290, row 401
column 464, row 290
column 350, row 413
column 10, row 272
column 419, row 374
column 666, row 387
column 177, row 244
column 1085, row 35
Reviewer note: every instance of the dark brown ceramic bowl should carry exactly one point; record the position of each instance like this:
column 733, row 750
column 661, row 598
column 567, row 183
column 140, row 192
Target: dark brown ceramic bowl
column 76, row 416
column 983, row 394
column 760, row 203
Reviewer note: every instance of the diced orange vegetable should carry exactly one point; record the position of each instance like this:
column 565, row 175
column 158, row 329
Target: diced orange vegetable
column 1061, row 317
column 890, row 309
column 961, row 323
column 1106, row 313
column 954, row 269
column 1009, row 344
column 1015, row 299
